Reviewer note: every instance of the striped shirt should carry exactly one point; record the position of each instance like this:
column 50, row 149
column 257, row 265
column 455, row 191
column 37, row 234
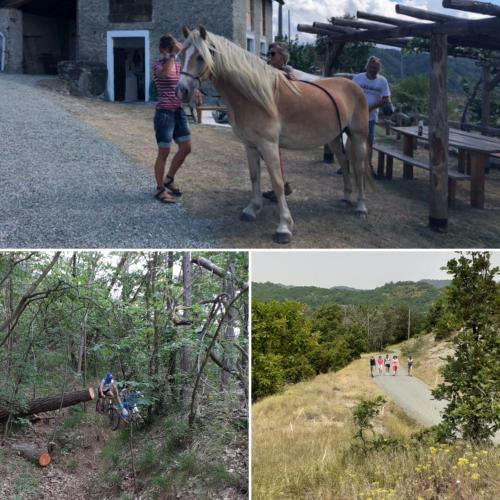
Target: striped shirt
column 165, row 87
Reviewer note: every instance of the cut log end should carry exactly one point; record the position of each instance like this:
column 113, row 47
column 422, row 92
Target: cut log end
column 91, row 393
column 44, row 459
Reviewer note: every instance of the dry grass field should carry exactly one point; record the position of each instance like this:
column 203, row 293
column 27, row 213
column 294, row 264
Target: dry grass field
column 301, row 448
column 216, row 184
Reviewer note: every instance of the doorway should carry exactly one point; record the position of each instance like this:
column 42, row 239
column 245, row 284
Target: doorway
column 128, row 65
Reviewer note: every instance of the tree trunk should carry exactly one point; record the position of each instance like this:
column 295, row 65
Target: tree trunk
column 33, row 454
column 438, row 135
column 186, row 354
column 228, row 333
column 45, row 404
column 486, row 97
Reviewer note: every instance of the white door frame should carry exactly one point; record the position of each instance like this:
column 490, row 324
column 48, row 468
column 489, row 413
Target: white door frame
column 111, row 59
column 2, row 54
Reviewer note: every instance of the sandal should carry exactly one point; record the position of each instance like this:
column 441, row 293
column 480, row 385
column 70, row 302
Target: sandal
column 168, row 185
column 164, row 199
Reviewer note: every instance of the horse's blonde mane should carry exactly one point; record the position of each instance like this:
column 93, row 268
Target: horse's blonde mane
column 250, row 75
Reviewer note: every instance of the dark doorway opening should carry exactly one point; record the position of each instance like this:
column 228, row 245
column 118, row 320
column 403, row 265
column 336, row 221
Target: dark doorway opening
column 129, row 69
column 49, row 34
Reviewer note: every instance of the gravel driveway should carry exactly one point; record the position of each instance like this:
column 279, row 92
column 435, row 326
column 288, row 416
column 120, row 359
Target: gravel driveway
column 64, row 186
column 414, row 397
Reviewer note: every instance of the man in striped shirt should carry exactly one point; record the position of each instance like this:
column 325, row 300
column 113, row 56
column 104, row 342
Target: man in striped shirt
column 170, row 121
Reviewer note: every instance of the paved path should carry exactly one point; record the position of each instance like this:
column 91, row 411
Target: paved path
column 64, row 186
column 414, row 397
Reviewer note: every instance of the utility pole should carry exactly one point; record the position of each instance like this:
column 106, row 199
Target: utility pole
column 289, row 39
column 409, row 315
column 280, row 21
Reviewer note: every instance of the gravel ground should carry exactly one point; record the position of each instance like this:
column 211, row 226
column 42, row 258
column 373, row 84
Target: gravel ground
column 64, row 186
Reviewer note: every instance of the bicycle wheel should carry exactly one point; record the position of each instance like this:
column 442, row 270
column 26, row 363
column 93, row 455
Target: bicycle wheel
column 113, row 418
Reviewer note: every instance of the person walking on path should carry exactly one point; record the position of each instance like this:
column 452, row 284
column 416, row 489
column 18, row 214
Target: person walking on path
column 170, row 121
column 410, row 366
column 377, row 92
column 387, row 363
column 395, row 365
column 372, row 364
column 380, row 364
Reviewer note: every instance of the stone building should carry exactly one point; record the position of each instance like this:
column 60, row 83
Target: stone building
column 119, row 35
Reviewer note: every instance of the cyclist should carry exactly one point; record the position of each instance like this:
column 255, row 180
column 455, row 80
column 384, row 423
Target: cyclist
column 106, row 388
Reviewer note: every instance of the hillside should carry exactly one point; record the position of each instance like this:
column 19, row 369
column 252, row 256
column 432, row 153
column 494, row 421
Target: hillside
column 303, row 445
column 396, row 66
column 419, row 295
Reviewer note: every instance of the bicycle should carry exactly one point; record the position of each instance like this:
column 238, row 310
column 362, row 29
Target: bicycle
column 127, row 412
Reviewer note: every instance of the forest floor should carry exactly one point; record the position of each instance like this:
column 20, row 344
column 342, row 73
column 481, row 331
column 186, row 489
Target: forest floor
column 216, row 184
column 75, row 461
column 93, row 462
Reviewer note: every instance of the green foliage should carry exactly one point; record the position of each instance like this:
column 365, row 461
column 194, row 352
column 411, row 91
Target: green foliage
column 412, row 94
column 363, row 414
column 471, row 376
column 147, row 458
column 288, row 347
column 267, row 374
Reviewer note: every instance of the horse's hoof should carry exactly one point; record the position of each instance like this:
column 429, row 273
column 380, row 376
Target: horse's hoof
column 361, row 214
column 343, row 203
column 244, row 216
column 282, row 238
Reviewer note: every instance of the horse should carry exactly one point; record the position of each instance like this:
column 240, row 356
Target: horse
column 267, row 111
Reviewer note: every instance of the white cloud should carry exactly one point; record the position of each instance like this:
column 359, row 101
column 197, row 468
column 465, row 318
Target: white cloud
column 308, row 11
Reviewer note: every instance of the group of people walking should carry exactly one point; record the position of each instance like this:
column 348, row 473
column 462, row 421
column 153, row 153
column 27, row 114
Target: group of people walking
column 388, row 365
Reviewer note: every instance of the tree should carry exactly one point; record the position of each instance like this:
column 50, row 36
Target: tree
column 472, row 374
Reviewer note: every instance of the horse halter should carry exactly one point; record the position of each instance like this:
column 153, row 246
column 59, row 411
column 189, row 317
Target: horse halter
column 191, row 76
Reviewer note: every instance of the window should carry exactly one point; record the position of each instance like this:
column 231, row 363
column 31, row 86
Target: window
column 250, row 45
column 130, row 11
column 250, row 15
column 264, row 4
column 263, row 48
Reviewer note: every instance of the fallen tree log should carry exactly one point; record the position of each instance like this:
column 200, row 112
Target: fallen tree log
column 49, row 403
column 33, row 454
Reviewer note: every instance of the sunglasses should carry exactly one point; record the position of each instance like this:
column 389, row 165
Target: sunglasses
column 271, row 54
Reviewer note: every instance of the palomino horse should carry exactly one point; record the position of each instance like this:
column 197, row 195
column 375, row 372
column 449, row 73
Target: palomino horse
column 267, row 111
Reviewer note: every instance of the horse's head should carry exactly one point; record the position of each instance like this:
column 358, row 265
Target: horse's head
column 197, row 62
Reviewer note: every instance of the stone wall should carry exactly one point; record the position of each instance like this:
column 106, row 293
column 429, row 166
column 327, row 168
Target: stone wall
column 11, row 27
column 84, row 78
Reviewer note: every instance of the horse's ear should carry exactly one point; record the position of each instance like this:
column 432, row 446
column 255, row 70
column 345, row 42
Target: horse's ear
column 203, row 32
column 185, row 31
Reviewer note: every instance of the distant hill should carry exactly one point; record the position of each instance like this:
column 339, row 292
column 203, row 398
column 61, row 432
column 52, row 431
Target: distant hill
column 419, row 295
column 419, row 64
column 437, row 283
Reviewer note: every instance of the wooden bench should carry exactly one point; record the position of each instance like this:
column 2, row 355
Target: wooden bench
column 386, row 158
column 207, row 107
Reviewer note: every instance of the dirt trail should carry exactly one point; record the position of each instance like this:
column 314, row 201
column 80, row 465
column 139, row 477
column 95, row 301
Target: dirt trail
column 74, row 467
column 414, row 397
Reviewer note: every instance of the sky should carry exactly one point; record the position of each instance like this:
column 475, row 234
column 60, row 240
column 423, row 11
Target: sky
column 357, row 269
column 308, row 11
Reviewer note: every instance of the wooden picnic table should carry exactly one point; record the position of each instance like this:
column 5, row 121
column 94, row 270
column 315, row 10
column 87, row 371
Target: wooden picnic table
column 477, row 147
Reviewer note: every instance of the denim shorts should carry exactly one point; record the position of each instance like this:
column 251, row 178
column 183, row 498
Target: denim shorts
column 171, row 124
column 371, row 130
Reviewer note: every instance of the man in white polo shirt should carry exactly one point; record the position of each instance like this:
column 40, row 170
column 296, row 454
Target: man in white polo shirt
column 377, row 93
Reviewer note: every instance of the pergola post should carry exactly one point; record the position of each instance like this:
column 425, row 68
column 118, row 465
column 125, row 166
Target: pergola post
column 438, row 133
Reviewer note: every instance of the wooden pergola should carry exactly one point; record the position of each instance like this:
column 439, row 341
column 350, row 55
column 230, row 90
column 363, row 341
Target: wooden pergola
column 445, row 34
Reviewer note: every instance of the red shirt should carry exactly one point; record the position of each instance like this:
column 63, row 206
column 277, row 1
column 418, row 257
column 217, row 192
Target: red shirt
column 165, row 87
